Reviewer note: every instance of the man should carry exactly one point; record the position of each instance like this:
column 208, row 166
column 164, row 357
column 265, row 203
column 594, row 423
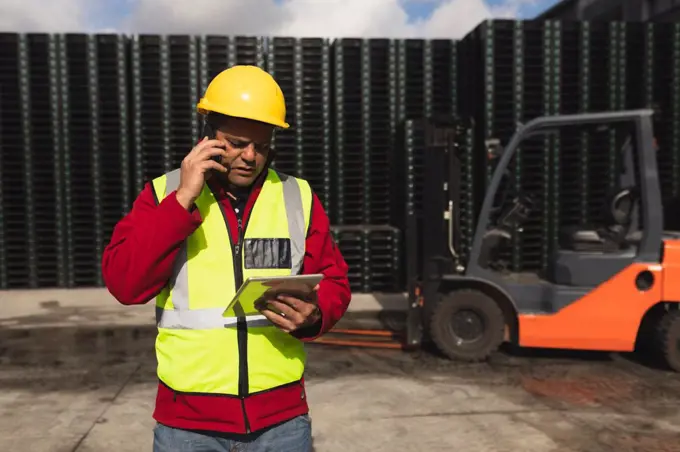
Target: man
column 192, row 237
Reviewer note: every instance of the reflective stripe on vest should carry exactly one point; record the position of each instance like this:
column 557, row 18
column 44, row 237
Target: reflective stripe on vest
column 197, row 349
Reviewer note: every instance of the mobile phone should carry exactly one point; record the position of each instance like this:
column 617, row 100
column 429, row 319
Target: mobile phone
column 209, row 131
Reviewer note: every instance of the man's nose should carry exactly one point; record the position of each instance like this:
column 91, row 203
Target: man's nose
column 249, row 153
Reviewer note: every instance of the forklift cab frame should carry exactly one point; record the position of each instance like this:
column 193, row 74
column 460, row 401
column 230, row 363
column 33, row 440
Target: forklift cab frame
column 588, row 300
column 578, row 271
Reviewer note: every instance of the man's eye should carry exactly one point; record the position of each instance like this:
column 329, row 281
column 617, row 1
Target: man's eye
column 238, row 144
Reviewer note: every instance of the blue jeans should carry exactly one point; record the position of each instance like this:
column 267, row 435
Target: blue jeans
column 294, row 435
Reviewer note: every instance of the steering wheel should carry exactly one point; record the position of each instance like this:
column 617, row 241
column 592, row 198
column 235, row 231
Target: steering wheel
column 518, row 213
column 621, row 206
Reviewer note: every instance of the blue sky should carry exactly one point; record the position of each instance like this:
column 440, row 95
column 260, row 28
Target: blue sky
column 531, row 11
column 421, row 9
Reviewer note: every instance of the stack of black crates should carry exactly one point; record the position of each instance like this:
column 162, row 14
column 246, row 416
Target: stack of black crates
column 513, row 71
column 31, row 233
column 165, row 88
column 302, row 69
column 365, row 122
column 64, row 163
column 87, row 120
column 507, row 72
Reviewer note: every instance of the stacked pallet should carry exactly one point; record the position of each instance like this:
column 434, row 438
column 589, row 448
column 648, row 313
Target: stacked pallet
column 302, row 69
column 593, row 78
column 112, row 156
column 284, row 63
column 372, row 253
column 366, row 125
column 572, row 55
column 535, row 167
column 379, row 110
column 514, row 67
column 165, row 90
column 80, row 134
column 530, row 69
column 441, row 94
column 31, row 221
column 218, row 53
column 606, row 89
column 10, row 161
column 351, row 87
column 652, row 72
column 415, row 79
column 94, row 151
column 87, row 120
column 151, row 112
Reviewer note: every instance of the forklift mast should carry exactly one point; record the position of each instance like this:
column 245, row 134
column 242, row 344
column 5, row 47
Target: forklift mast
column 433, row 241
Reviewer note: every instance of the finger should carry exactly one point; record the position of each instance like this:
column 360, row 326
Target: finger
column 302, row 310
column 214, row 143
column 210, row 152
column 281, row 322
column 299, row 304
column 198, row 147
column 205, row 144
column 288, row 312
column 211, row 164
column 293, row 302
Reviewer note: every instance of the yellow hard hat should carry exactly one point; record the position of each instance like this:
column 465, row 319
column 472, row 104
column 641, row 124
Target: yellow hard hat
column 245, row 92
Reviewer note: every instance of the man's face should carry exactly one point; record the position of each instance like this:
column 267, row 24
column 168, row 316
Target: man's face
column 247, row 145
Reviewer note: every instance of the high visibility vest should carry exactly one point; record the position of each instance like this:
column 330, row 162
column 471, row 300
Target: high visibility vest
column 200, row 351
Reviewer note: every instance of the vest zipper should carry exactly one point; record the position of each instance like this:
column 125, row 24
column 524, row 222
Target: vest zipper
column 242, row 330
column 241, row 325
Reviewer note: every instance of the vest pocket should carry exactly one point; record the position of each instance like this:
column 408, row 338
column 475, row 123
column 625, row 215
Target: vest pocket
column 267, row 253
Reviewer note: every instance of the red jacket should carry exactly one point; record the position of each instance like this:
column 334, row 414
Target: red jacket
column 137, row 264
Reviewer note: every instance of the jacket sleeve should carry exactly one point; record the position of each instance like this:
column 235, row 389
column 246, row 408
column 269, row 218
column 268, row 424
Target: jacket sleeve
column 137, row 262
column 323, row 256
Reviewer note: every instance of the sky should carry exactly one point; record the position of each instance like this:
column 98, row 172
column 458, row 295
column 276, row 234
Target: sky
column 296, row 18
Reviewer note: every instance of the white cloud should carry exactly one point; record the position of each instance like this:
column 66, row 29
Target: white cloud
column 42, row 15
column 329, row 18
column 454, row 18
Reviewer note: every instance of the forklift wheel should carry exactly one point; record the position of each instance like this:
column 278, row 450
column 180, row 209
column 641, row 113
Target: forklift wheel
column 467, row 325
column 668, row 339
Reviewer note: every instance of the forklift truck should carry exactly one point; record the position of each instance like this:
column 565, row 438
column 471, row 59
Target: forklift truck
column 610, row 287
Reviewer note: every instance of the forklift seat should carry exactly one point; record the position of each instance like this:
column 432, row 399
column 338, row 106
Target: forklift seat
column 614, row 235
column 589, row 256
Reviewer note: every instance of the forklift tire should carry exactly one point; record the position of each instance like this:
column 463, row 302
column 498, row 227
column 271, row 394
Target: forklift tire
column 467, row 325
column 668, row 339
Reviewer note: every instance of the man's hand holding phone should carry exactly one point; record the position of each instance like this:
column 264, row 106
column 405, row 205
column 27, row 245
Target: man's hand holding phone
column 289, row 313
column 196, row 168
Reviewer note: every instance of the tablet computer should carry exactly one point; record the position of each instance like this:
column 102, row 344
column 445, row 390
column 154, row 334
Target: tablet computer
column 255, row 290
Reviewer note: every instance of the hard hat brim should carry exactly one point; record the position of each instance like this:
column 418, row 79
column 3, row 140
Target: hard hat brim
column 204, row 107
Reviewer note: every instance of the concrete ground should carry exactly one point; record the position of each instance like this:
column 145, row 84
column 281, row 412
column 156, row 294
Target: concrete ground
column 77, row 374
